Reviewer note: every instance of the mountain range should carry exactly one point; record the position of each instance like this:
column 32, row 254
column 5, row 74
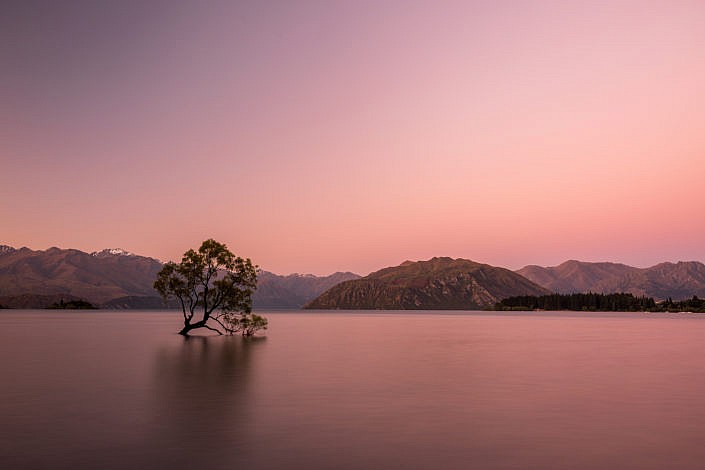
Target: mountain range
column 439, row 283
column 115, row 278
column 294, row 290
column 98, row 277
column 676, row 280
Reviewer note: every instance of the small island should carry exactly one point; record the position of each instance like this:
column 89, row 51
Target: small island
column 77, row 304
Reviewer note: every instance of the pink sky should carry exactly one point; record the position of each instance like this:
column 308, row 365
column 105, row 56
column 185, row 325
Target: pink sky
column 348, row 136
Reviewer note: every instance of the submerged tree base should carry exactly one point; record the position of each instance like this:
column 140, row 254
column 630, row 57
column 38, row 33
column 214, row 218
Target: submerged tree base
column 245, row 324
column 201, row 324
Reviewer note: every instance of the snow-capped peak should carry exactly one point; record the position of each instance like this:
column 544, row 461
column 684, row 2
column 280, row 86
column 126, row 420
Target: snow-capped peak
column 6, row 249
column 112, row 251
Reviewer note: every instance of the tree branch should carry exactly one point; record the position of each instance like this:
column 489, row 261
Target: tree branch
column 229, row 330
column 191, row 305
column 216, row 302
column 213, row 329
column 183, row 305
column 205, row 304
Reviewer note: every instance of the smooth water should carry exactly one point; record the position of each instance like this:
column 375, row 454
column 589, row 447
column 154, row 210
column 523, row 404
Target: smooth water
column 339, row 390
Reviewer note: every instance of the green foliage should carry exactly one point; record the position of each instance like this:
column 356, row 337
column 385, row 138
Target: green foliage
column 214, row 281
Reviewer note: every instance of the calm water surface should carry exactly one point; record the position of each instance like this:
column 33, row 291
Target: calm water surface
column 354, row 391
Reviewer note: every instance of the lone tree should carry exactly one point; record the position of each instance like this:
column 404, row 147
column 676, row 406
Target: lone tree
column 214, row 282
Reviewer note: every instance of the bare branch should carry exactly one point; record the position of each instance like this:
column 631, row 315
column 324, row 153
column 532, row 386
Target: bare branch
column 212, row 329
column 216, row 303
column 229, row 330
column 183, row 305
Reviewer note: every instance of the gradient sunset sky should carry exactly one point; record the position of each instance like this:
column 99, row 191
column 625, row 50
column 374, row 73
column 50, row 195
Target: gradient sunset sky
column 349, row 136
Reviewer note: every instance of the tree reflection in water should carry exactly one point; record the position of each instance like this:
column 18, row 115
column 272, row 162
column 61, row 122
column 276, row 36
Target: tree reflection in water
column 202, row 400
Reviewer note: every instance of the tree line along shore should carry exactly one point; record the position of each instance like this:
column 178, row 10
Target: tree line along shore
column 592, row 302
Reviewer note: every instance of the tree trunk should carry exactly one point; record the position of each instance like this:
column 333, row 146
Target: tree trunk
column 188, row 326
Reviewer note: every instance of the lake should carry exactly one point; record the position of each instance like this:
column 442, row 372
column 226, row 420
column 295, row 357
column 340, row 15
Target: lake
column 322, row 390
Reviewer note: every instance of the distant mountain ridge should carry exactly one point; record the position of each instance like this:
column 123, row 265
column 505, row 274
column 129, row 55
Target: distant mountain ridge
column 439, row 283
column 680, row 280
column 118, row 279
column 294, row 290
